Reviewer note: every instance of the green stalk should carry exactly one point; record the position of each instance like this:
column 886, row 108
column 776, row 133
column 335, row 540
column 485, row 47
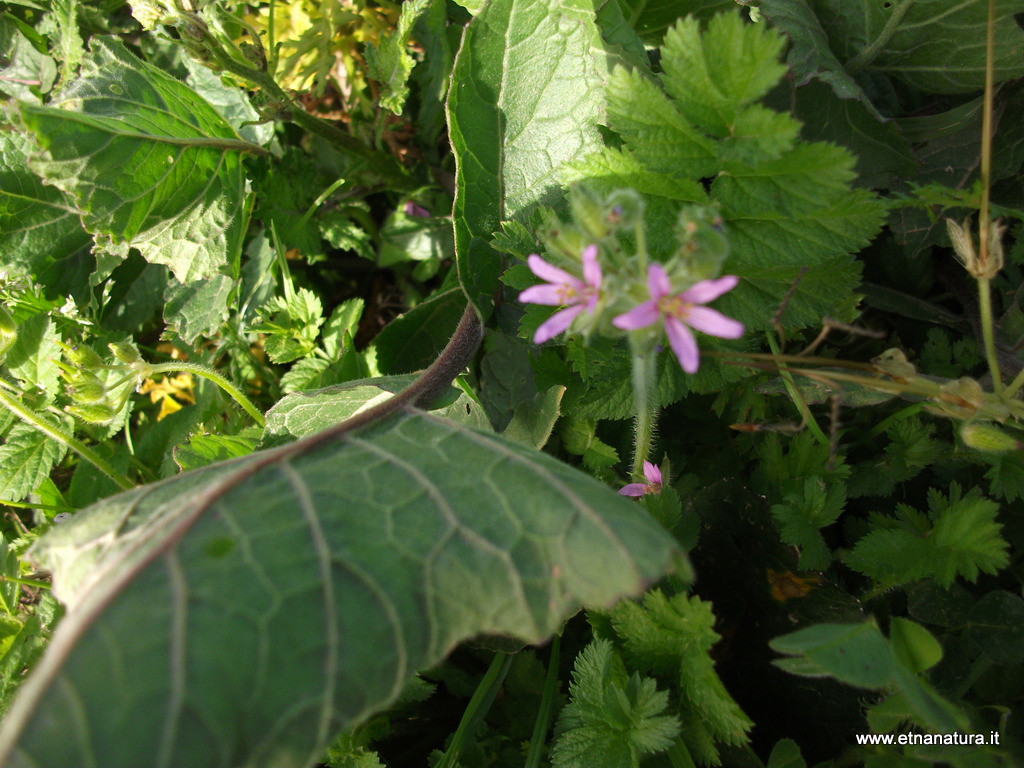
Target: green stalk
column 477, row 708
column 796, row 397
column 644, row 382
column 987, row 334
column 52, row 431
column 547, row 705
column 212, row 375
column 26, row 583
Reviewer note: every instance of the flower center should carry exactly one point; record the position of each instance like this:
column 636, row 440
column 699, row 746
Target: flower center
column 674, row 306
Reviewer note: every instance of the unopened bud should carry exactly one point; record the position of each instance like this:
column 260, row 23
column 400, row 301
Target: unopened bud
column 125, row 351
column 985, row 437
column 98, row 413
column 82, row 356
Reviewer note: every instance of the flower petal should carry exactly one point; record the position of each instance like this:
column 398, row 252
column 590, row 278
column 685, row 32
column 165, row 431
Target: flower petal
column 547, row 294
column 633, row 489
column 683, row 344
column 652, row 473
column 591, row 269
column 639, row 316
column 551, row 273
column 714, row 323
column 709, row 290
column 557, row 323
column 657, row 281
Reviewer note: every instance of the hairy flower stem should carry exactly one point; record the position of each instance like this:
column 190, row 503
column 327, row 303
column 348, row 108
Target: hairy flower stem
column 210, row 374
column 54, row 432
column 644, row 383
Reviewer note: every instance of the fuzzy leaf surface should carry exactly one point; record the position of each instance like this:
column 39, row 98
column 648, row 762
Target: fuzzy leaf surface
column 146, row 161
column 335, row 568
column 525, row 98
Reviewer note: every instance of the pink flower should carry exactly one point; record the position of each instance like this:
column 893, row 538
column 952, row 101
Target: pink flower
column 653, row 484
column 681, row 312
column 563, row 290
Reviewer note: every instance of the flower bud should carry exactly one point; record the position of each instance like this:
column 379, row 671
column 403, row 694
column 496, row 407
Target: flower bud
column 82, row 356
column 98, row 413
column 89, row 391
column 985, row 437
column 125, row 351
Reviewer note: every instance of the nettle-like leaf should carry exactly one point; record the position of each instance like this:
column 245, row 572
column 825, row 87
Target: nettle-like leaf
column 525, row 97
column 792, row 218
column 612, row 718
column 335, row 568
column 146, row 161
column 964, row 540
column 26, row 458
column 389, row 63
column 801, row 517
column 672, row 636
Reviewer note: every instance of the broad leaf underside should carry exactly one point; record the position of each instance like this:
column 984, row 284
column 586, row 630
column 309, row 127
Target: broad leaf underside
column 242, row 619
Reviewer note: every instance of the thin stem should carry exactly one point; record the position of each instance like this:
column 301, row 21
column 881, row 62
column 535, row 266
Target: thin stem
column 26, row 582
column 987, row 334
column 53, row 431
column 477, row 708
column 216, row 378
column 546, row 709
column 984, row 286
column 644, row 383
column 797, row 398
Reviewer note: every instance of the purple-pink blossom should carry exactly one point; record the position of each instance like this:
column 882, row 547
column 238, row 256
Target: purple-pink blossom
column 653, row 484
column 683, row 311
column 563, row 290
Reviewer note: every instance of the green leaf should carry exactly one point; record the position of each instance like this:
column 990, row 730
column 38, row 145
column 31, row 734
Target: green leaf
column 655, row 131
column 856, row 654
column 534, row 420
column 650, row 18
column 148, row 163
column 389, row 63
column 714, row 75
column 26, row 458
column 526, row 94
column 26, row 72
column 335, row 568
column 203, row 450
column 37, row 225
column 802, row 516
column 930, row 45
column 914, row 646
column 411, row 341
column 611, row 719
column 197, row 308
column 673, row 636
column 786, row 754
column 995, row 623
column 32, row 357
column 303, row 413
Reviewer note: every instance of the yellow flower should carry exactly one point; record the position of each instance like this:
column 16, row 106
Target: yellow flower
column 172, row 392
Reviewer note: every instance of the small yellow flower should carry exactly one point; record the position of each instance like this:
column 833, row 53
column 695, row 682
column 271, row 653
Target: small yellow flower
column 172, row 392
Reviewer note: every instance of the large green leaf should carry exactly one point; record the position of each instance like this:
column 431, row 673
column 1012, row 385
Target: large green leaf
column 239, row 615
column 525, row 98
column 37, row 225
column 935, row 46
column 147, row 162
